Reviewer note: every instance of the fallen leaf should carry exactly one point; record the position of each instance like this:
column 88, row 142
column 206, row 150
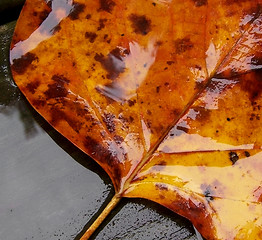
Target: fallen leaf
column 165, row 95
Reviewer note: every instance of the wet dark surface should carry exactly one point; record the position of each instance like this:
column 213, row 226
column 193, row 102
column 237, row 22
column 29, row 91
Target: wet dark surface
column 51, row 190
column 9, row 10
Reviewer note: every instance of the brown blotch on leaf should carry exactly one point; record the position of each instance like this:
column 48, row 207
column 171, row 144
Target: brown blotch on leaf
column 161, row 186
column 32, row 86
column 102, row 25
column 42, row 15
column 88, row 16
column 233, row 157
column 109, row 121
column 199, row 85
column 202, row 113
column 195, row 210
column 140, row 24
column 56, row 29
column 38, row 103
column 247, row 154
column 170, row 62
column 199, row 3
column 57, row 89
column 77, row 9
column 81, row 109
column 91, row 36
column 59, row 115
column 21, row 64
column 183, row 44
column 252, row 84
column 131, row 103
column 103, row 154
column 113, row 63
column 229, row 2
column 257, row 61
column 107, row 5
column 131, row 119
column 184, row 129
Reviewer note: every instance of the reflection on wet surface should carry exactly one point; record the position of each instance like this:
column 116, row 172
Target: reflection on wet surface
column 196, row 143
column 48, row 27
column 141, row 219
column 136, row 65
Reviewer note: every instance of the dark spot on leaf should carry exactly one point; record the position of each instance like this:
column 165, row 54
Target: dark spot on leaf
column 77, row 9
column 88, row 16
column 42, row 15
column 184, row 129
column 170, row 62
column 149, row 112
column 59, row 115
column 159, row 43
column 252, row 83
column 107, row 5
column 161, row 186
column 118, row 139
column 101, row 24
column 154, row 4
column 131, row 119
column 158, row 89
column 131, row 103
column 207, row 192
column 91, row 36
column 199, row 3
column 199, row 85
column 32, row 86
column 229, row 2
column 194, row 210
column 113, row 63
column 56, row 29
column 57, row 89
column 183, row 44
column 198, row 67
column 202, row 114
column 80, row 109
column 103, row 154
column 20, row 65
column 257, row 61
column 38, row 103
column 109, row 121
column 233, row 157
column 140, row 24
column 247, row 154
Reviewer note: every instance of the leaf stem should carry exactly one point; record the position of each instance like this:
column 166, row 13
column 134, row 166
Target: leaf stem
column 111, row 205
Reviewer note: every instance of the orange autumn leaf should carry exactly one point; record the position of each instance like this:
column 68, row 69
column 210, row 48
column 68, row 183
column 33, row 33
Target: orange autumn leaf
column 166, row 95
